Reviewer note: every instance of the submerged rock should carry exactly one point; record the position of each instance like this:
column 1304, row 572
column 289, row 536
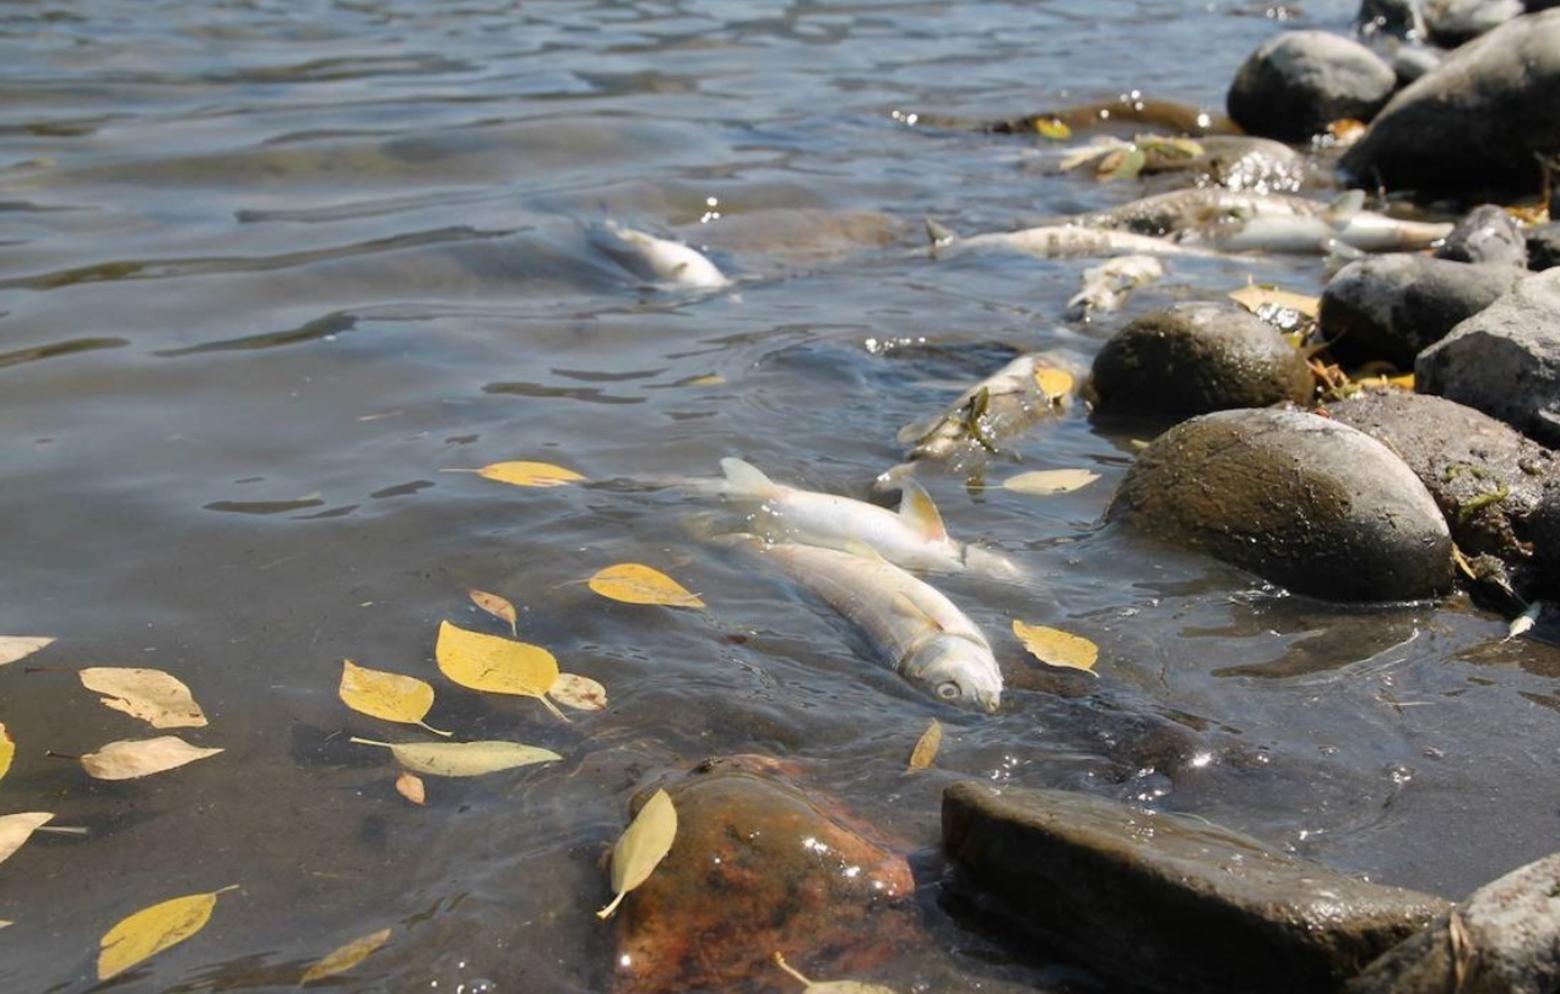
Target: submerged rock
column 1298, row 82
column 1504, row 939
column 1296, row 498
column 1505, row 360
column 1393, row 306
column 1198, row 357
column 1167, row 902
column 759, row 867
column 1486, row 234
column 1476, row 121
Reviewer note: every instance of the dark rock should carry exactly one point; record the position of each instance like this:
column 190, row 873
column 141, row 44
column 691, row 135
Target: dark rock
column 1465, row 458
column 1390, row 17
column 1504, row 939
column 1296, row 498
column 759, row 867
column 1392, row 306
column 1505, row 360
column 1543, row 247
column 1198, row 357
column 1476, row 121
column 1413, row 61
column 1486, row 234
column 1170, row 902
column 1453, row 22
column 1295, row 84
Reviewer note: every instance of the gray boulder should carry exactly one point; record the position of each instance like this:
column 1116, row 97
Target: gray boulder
column 1296, row 498
column 1452, row 22
column 1393, row 306
column 1169, row 902
column 1543, row 246
column 1410, row 62
column 1504, row 939
column 1476, row 121
column 1486, row 234
column 1298, row 82
column 1197, row 357
column 1390, row 17
column 1505, row 360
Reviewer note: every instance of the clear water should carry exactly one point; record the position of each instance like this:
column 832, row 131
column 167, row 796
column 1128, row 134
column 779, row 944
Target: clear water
column 268, row 268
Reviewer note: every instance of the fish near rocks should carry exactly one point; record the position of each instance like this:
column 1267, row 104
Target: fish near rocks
column 660, row 260
column 1105, row 287
column 761, row 866
column 1056, row 241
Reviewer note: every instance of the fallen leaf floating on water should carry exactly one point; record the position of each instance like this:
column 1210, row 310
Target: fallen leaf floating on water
column 390, row 696
column 18, row 828
column 151, row 930
column 830, row 986
column 1055, row 383
column 496, row 665
column 498, row 607
column 463, row 759
column 346, row 957
column 526, row 474
column 1255, row 296
column 1055, row 647
column 1046, row 482
column 410, row 786
column 158, row 698
column 7, row 751
column 14, row 647
column 636, row 583
column 1053, row 128
column 578, row 692
column 128, row 759
column 926, row 747
column 641, row 847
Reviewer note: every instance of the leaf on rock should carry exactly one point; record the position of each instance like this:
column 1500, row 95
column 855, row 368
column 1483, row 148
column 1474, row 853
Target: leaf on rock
column 1256, row 296
column 410, row 786
column 18, row 828
column 1046, row 482
column 1053, row 128
column 926, row 747
column 158, row 698
column 498, row 607
column 1054, row 383
column 496, row 665
column 529, row 474
column 463, row 759
column 7, row 751
column 390, row 696
column 830, row 986
column 128, row 759
column 636, row 583
column 578, row 692
column 1055, row 647
column 641, row 847
column 151, row 930
column 346, row 957
column 14, row 647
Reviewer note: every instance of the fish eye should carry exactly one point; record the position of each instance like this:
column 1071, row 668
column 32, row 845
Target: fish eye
column 948, row 690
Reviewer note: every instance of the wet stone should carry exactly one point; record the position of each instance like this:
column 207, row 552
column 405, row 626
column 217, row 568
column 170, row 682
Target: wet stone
column 1543, row 247
column 1486, row 234
column 1165, row 902
column 1453, row 22
column 1298, row 499
column 1295, row 84
column 1400, row 18
column 1412, row 61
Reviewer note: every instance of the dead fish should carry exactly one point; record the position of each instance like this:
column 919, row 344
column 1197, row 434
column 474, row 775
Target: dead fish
column 659, row 259
column 1106, row 286
column 1183, row 210
column 1058, row 241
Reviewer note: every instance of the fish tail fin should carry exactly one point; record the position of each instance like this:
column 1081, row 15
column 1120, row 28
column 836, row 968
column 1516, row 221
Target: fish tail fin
column 743, row 479
column 919, row 512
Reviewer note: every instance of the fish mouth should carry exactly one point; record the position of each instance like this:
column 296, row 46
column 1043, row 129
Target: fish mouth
column 990, row 704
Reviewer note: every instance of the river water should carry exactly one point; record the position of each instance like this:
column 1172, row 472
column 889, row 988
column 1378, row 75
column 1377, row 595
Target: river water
column 268, row 268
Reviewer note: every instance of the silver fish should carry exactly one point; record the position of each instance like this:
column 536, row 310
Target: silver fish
column 659, row 259
column 1105, row 287
column 1059, row 241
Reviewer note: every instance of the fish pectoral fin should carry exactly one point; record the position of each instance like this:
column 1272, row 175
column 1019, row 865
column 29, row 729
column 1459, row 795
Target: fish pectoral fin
column 856, row 547
column 744, row 478
column 910, row 609
column 1345, row 207
column 919, row 512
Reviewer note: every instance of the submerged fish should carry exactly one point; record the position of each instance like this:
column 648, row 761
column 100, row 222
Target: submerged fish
column 1105, row 287
column 1058, row 241
column 659, row 259
column 914, row 538
column 909, row 624
column 1183, row 210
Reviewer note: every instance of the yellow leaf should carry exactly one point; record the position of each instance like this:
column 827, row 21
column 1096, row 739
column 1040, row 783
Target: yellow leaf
column 155, row 697
column 641, row 847
column 16, row 829
column 131, row 758
column 1254, row 297
column 410, row 786
column 463, row 759
column 346, row 957
column 14, row 647
column 498, row 607
column 151, row 930
column 529, row 474
column 390, row 696
column 1054, row 383
column 707, row 380
column 926, row 747
column 1055, row 647
column 830, row 986
column 7, row 751
column 1045, row 482
column 1404, row 382
column 1346, row 130
column 1053, row 128
column 6, row 924
column 496, row 665
column 578, row 692
column 636, row 583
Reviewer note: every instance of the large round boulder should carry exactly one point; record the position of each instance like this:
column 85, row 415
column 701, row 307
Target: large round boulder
column 1296, row 498
column 1486, row 234
column 1197, row 357
column 1298, row 82
column 1453, row 22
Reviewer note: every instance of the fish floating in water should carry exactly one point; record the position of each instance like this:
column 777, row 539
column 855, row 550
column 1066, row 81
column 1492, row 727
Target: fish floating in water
column 659, row 259
column 1058, row 241
column 1105, row 287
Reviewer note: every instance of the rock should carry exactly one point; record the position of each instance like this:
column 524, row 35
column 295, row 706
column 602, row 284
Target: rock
column 1392, row 306
column 1410, row 62
column 1197, row 357
column 1195, row 907
column 1505, row 360
column 1486, row 234
column 1543, row 247
column 1464, row 458
column 1505, row 938
column 1390, row 17
column 1453, row 22
column 1299, row 499
column 1298, row 82
column 1476, row 121
column 758, row 867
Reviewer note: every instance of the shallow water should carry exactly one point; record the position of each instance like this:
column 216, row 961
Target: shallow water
column 268, row 269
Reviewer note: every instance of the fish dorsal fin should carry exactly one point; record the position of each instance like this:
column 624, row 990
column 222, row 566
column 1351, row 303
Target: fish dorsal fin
column 1345, row 207
column 919, row 512
column 939, row 235
column 743, row 477
column 904, row 605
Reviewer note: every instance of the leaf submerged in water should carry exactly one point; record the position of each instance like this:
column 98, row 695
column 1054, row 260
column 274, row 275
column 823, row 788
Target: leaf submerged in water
column 1054, row 383
column 157, row 698
column 463, row 759
column 830, row 986
column 129, row 759
column 926, row 747
column 1055, row 647
column 641, row 847
column 496, row 665
column 636, row 583
column 1046, row 482
column 389, row 696
column 151, row 930
column 346, row 957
